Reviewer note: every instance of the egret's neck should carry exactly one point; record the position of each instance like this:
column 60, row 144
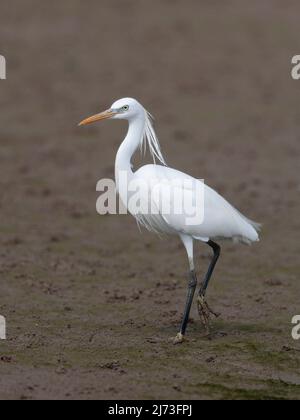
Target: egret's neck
column 129, row 147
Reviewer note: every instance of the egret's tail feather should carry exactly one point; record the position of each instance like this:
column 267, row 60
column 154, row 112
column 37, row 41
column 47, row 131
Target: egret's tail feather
column 255, row 225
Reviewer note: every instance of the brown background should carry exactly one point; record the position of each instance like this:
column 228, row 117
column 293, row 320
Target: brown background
column 90, row 302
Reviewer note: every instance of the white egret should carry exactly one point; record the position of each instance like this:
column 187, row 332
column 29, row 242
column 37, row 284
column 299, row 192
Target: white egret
column 219, row 221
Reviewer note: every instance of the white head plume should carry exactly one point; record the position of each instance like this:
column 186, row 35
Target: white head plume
column 128, row 109
column 150, row 138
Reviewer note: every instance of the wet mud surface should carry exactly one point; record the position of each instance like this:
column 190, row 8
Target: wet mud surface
column 91, row 304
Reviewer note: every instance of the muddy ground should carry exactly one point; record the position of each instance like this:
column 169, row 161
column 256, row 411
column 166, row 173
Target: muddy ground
column 90, row 302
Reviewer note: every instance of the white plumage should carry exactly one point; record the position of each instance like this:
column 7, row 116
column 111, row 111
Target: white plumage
column 220, row 220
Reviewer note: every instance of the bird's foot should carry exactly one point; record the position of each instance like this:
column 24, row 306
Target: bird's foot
column 205, row 312
column 179, row 339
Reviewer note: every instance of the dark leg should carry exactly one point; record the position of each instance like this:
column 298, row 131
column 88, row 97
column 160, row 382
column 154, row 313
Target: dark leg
column 191, row 292
column 203, row 308
column 217, row 252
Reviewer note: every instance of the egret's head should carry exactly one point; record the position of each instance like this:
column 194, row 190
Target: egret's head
column 130, row 109
column 123, row 109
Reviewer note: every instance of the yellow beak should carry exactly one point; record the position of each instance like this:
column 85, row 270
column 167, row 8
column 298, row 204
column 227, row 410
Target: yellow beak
column 99, row 117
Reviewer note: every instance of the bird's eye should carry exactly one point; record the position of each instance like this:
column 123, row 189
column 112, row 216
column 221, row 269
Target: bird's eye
column 125, row 108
